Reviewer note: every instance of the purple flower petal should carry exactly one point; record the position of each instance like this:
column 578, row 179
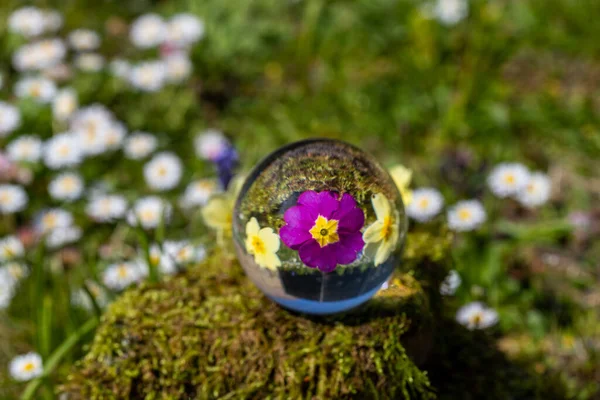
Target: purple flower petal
column 300, row 217
column 294, row 237
column 323, row 203
column 316, row 256
column 351, row 217
column 348, row 248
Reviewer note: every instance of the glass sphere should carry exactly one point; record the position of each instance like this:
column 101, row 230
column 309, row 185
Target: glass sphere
column 319, row 226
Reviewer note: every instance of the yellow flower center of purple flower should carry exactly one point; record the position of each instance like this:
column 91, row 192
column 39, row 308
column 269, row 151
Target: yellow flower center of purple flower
column 325, row 231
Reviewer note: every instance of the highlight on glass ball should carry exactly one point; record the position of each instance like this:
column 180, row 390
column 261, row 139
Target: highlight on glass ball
column 319, row 226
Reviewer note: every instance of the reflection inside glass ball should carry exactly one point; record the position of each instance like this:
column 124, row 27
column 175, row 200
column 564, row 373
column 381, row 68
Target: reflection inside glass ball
column 319, row 226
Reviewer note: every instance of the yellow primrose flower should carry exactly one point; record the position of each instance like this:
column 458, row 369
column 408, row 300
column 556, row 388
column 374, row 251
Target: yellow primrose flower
column 402, row 177
column 381, row 237
column 263, row 244
column 218, row 211
column 218, row 214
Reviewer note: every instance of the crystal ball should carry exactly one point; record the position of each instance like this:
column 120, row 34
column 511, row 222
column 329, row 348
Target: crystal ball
column 319, row 226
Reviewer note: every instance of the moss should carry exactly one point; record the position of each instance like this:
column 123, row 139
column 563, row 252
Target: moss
column 209, row 333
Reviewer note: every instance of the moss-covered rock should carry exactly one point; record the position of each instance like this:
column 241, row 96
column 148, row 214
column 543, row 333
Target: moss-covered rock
column 209, row 333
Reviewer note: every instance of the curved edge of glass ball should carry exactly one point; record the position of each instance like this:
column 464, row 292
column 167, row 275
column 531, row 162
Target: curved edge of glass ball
column 319, row 226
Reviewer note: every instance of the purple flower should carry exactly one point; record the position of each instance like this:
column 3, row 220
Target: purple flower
column 226, row 164
column 324, row 230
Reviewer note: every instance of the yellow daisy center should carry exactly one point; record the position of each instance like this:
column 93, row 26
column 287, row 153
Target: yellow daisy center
column 49, row 221
column 28, row 367
column 325, row 231
column 476, row 319
column 69, row 183
column 154, row 259
column 36, row 90
column 122, row 271
column 464, row 214
column 423, row 203
column 64, row 150
column 162, row 171
column 5, row 198
column 148, row 215
column 509, row 179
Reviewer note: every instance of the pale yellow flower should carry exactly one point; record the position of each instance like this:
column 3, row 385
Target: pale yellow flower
column 382, row 236
column 218, row 214
column 263, row 244
column 402, row 177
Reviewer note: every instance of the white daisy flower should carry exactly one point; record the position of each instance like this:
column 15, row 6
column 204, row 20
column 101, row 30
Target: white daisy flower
column 184, row 29
column 13, row 198
column 466, row 215
column 536, row 192
column 67, row 186
column 450, row 284
column 26, row 367
column 53, row 21
column 120, row 68
column 39, row 55
column 148, row 30
column 139, row 145
column 426, row 203
column 84, row 40
column 211, row 144
column 62, row 150
column 183, row 252
column 166, row 265
column 40, row 89
column 451, row 12
column 149, row 76
column 61, row 236
column 148, row 212
column 90, row 117
column 10, row 248
column 508, row 179
column 89, row 62
column 7, row 288
column 198, row 192
column 61, row 72
column 107, row 208
column 80, row 298
column 15, row 271
column 476, row 315
column 120, row 275
column 10, row 118
column 115, row 135
column 91, row 126
column 25, row 148
column 53, row 219
column 163, row 171
column 178, row 67
column 64, row 104
column 27, row 21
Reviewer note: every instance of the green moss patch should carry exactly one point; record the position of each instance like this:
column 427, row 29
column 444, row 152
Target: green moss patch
column 210, row 333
